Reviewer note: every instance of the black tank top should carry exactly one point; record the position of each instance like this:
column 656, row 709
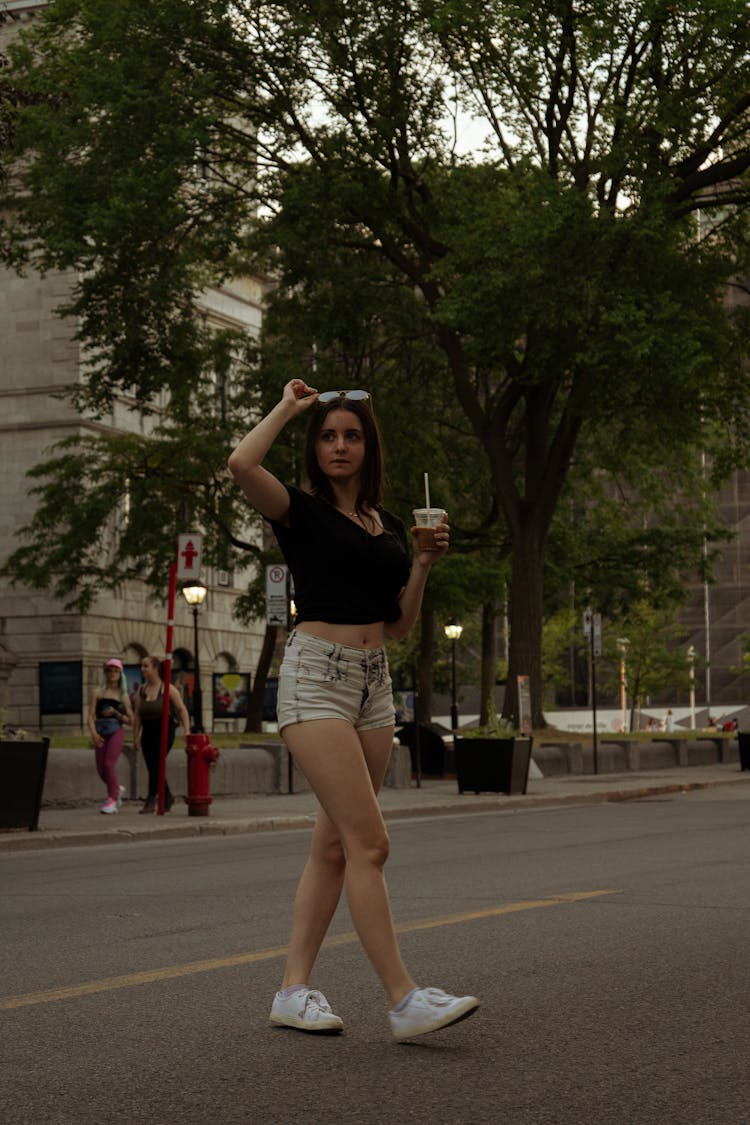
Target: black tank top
column 151, row 709
column 106, row 706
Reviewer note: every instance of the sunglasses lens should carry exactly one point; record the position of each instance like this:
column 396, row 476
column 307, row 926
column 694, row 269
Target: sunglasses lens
column 333, row 396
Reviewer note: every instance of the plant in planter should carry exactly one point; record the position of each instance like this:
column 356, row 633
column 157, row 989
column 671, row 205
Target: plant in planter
column 9, row 733
column 497, row 726
column 23, row 765
column 493, row 758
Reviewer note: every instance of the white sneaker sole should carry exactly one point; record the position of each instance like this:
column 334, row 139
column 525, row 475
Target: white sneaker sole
column 460, row 1012
column 327, row 1025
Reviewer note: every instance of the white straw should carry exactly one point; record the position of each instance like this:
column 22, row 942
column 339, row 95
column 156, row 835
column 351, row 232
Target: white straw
column 426, row 490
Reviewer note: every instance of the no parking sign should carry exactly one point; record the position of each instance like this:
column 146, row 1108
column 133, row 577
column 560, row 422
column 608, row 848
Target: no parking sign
column 276, row 595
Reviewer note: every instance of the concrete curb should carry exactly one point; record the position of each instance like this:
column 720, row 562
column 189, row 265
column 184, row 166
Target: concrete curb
column 22, row 840
column 513, row 804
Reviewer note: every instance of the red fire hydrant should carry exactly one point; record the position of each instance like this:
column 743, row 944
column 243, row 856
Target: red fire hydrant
column 201, row 755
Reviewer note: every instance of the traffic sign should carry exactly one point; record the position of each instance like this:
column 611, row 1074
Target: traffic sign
column 277, row 605
column 524, row 704
column 189, row 550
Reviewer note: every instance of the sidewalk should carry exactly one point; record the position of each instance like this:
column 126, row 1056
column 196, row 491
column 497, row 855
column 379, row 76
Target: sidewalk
column 70, row 827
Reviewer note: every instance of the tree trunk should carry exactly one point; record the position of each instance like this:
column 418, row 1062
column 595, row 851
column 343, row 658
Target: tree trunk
column 488, row 675
column 426, row 664
column 255, row 706
column 529, row 503
column 527, row 585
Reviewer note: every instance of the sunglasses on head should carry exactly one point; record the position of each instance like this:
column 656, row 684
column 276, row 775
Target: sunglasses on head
column 352, row 396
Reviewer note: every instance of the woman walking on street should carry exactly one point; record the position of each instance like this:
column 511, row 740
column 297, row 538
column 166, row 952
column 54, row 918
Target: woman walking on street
column 109, row 710
column 353, row 585
column 147, row 727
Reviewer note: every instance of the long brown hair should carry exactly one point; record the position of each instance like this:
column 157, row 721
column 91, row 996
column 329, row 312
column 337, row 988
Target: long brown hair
column 372, row 479
column 155, row 662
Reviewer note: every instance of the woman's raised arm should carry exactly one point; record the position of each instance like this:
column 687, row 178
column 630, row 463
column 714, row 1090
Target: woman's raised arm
column 267, row 494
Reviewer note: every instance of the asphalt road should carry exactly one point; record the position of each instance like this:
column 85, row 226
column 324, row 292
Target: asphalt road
column 608, row 944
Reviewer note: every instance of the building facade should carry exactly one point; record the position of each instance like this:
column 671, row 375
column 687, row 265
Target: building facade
column 41, row 643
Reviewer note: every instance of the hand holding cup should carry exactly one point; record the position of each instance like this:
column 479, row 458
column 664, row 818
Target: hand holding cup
column 426, row 520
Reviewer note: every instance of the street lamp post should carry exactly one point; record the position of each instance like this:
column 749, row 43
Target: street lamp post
column 622, row 644
column 195, row 596
column 691, row 663
column 453, row 633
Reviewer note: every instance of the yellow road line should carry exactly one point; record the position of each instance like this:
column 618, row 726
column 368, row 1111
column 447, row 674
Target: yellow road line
column 171, row 972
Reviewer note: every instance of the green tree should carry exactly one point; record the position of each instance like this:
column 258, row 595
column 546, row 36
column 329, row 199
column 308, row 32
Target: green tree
column 653, row 661
column 560, row 629
column 563, row 278
column 8, row 94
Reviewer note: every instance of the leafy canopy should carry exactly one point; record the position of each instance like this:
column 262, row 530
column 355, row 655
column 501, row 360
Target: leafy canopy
column 563, row 277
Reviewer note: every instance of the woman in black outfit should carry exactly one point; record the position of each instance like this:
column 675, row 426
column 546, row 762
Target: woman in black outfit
column 149, row 703
column 353, row 585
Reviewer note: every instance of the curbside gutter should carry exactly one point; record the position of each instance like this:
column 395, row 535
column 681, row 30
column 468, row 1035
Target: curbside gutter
column 22, row 840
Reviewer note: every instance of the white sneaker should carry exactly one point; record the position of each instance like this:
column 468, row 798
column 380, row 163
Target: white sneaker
column 429, row 1009
column 121, row 796
column 109, row 806
column 306, row 1009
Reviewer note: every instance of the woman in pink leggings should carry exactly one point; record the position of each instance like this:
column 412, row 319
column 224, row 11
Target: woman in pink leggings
column 109, row 710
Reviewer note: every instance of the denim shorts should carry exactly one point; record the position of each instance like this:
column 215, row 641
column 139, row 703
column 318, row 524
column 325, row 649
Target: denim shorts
column 322, row 680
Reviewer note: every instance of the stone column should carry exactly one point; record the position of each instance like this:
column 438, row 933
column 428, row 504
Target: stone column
column 8, row 661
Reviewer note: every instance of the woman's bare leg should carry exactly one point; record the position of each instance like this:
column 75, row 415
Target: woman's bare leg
column 322, row 880
column 315, row 902
column 350, row 843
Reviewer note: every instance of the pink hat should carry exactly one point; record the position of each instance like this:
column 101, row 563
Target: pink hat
column 114, row 663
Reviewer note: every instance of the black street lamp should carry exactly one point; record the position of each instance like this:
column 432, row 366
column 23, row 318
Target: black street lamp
column 195, row 596
column 453, row 633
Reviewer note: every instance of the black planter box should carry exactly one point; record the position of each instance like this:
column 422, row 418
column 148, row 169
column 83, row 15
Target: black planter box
column 493, row 765
column 744, row 745
column 23, row 766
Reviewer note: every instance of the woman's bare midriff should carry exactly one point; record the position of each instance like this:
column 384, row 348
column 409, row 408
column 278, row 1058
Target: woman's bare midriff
column 357, row 636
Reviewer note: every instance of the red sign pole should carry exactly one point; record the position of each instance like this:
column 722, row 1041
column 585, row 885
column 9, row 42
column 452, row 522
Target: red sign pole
column 167, row 685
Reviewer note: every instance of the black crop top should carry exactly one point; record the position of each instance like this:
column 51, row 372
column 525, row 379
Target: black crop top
column 107, row 708
column 342, row 574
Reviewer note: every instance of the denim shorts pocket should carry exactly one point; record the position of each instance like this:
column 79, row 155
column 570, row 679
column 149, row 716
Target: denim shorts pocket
column 308, row 665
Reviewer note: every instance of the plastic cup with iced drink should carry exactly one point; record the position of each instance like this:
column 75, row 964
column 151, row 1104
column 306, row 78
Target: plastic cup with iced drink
column 425, row 522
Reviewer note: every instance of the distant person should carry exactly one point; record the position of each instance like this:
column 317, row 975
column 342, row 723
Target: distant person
column 354, row 585
column 651, row 726
column 711, row 723
column 109, row 711
column 133, row 688
column 669, row 720
column 147, row 723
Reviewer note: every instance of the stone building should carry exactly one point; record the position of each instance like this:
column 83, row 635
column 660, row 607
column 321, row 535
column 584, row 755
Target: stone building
column 38, row 639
